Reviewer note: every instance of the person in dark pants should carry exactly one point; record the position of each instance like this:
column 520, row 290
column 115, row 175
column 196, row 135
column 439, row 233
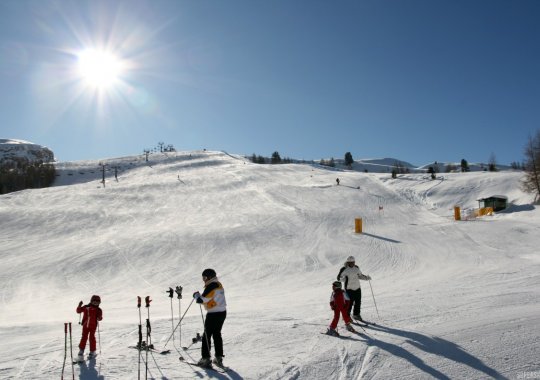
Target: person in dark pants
column 350, row 275
column 213, row 299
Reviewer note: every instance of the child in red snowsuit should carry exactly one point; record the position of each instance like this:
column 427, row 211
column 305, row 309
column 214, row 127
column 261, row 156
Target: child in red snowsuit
column 339, row 302
column 92, row 314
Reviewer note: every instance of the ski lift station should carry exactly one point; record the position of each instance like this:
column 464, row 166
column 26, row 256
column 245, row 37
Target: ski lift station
column 495, row 202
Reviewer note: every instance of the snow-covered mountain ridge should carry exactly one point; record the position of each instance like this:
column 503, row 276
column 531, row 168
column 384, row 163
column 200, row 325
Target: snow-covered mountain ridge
column 24, row 151
column 456, row 300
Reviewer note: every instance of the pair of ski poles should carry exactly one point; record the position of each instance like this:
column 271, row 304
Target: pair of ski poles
column 171, row 292
column 67, row 326
column 179, row 323
column 148, row 336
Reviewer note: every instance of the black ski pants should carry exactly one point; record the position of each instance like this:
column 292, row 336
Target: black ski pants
column 356, row 299
column 212, row 329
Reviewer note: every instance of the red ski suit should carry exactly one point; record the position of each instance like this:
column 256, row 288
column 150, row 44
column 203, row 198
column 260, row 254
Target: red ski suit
column 91, row 315
column 339, row 302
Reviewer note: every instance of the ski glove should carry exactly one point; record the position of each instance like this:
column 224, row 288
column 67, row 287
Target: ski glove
column 196, row 295
column 368, row 277
column 80, row 304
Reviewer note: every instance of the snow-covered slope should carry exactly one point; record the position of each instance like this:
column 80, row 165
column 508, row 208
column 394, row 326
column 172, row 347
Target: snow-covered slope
column 20, row 150
column 456, row 300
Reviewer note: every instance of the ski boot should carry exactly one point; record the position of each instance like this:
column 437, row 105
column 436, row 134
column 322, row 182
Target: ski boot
column 332, row 332
column 205, row 362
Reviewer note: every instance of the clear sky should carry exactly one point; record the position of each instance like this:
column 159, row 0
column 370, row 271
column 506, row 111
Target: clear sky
column 417, row 80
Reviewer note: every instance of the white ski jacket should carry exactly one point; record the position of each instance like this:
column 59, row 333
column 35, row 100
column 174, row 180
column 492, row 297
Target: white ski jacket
column 351, row 276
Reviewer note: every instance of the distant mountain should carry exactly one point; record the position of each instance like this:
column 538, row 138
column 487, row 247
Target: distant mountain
column 24, row 165
column 20, row 151
column 386, row 165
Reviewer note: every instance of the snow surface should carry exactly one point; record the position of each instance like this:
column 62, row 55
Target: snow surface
column 457, row 300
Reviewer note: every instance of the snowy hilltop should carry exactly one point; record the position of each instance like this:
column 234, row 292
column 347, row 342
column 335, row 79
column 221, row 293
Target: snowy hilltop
column 450, row 299
column 24, row 151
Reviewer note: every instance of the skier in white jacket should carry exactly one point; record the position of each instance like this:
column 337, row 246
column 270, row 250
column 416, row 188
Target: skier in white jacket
column 351, row 275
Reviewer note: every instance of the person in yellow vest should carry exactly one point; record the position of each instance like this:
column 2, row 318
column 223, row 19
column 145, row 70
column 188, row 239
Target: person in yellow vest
column 213, row 299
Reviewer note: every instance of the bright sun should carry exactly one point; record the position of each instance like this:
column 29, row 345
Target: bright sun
column 99, row 69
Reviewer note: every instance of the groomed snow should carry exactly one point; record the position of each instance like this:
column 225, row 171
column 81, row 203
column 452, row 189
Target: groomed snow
column 457, row 300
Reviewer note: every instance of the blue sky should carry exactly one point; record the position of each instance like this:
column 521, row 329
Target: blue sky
column 417, row 80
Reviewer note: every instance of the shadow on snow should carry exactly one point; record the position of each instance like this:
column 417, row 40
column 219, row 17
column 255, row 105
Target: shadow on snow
column 432, row 345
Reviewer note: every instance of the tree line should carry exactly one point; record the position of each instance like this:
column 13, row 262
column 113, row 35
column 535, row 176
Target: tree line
column 16, row 176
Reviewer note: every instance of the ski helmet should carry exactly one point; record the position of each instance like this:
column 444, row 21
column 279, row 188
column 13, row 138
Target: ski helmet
column 336, row 284
column 209, row 273
column 350, row 259
column 95, row 298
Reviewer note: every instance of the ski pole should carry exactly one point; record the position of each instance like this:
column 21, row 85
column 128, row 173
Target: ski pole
column 171, row 295
column 373, row 295
column 99, row 338
column 180, row 321
column 179, row 296
column 140, row 336
column 65, row 349
column 206, row 338
column 148, row 326
column 147, row 300
column 71, row 351
column 147, row 348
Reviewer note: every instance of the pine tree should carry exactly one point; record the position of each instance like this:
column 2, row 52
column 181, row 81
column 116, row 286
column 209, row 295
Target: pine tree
column 348, row 159
column 531, row 183
column 464, row 166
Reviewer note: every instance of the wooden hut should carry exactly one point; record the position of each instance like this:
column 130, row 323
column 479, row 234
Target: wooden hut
column 496, row 202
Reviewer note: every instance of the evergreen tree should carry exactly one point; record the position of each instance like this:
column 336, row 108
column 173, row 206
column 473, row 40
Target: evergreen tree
column 464, row 166
column 348, row 159
column 276, row 158
column 492, row 164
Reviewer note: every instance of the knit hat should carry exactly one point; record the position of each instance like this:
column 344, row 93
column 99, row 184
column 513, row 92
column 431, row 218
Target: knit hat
column 95, row 298
column 209, row 273
column 350, row 259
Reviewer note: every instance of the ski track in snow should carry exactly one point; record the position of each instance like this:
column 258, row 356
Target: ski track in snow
column 457, row 300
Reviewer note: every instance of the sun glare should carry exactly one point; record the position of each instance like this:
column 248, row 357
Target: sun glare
column 99, row 69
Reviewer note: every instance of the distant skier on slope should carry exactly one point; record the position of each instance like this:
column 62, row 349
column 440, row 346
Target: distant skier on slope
column 92, row 314
column 351, row 275
column 339, row 302
column 213, row 299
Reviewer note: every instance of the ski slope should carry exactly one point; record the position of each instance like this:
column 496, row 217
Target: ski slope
column 455, row 300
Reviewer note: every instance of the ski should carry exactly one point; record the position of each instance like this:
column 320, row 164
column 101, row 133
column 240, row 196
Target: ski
column 211, row 367
column 82, row 360
column 359, row 321
column 145, row 348
column 361, row 324
column 345, row 337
